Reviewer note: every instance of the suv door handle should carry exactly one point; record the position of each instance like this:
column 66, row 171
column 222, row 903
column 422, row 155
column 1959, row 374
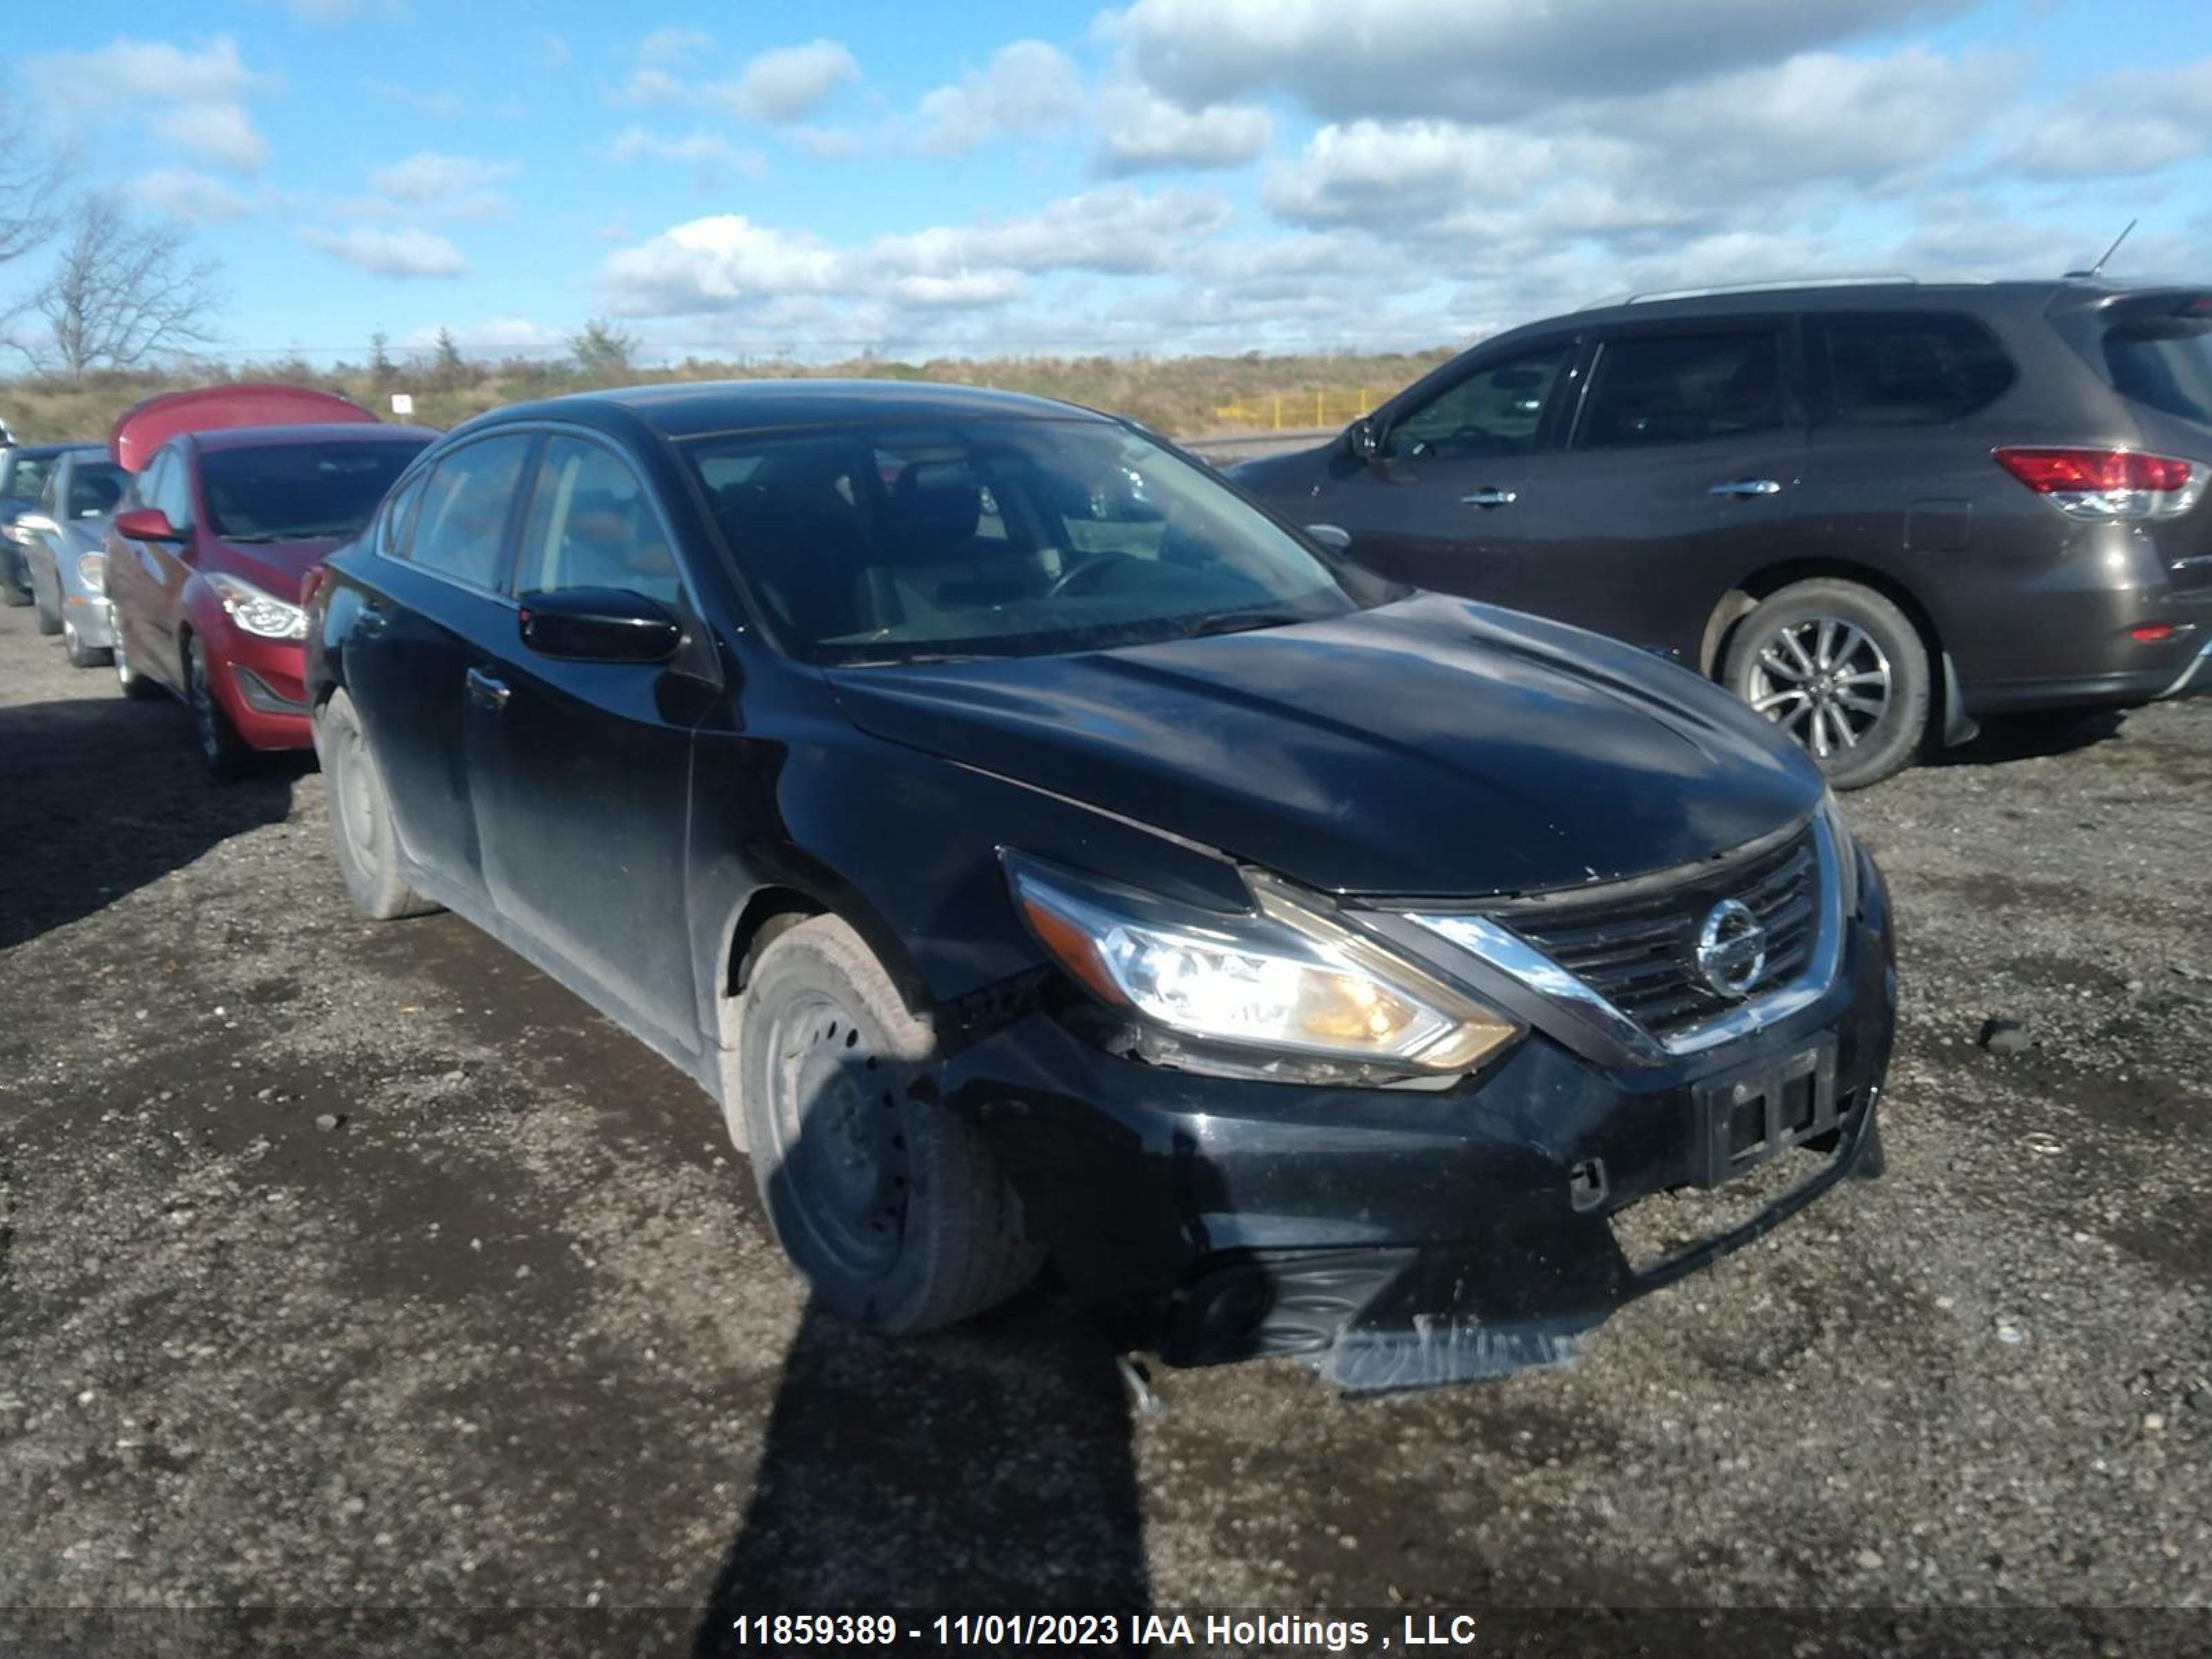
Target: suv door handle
column 372, row 621
column 1747, row 487
column 1490, row 495
column 488, row 692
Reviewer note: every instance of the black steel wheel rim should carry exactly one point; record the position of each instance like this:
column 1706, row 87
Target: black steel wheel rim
column 843, row 1164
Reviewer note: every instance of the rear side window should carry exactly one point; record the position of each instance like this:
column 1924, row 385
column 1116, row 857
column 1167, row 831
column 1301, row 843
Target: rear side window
column 460, row 530
column 1908, row 368
column 592, row 525
column 1684, row 388
column 391, row 528
column 2163, row 361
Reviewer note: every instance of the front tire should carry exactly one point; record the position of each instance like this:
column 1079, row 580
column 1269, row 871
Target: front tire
column 1840, row 668
column 81, row 655
column 892, row 1207
column 361, row 817
column 221, row 747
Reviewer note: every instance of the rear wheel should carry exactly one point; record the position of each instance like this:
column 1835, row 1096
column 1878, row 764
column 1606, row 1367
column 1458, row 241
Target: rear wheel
column 361, row 817
column 1842, row 670
column 221, row 747
column 892, row 1207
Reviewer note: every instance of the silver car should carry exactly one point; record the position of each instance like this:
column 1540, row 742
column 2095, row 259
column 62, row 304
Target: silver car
column 62, row 541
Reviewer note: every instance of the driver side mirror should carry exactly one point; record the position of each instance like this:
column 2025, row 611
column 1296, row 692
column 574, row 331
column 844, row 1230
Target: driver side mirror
column 1362, row 439
column 1333, row 537
column 146, row 524
column 599, row 624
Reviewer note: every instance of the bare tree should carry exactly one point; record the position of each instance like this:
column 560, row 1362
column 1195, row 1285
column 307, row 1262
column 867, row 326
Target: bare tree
column 31, row 179
column 123, row 293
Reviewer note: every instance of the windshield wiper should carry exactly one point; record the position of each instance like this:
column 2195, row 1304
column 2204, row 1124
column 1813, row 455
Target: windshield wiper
column 922, row 656
column 1243, row 622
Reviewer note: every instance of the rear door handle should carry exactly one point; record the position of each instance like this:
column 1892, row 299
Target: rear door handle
column 488, row 692
column 1747, row 487
column 372, row 621
column 1490, row 495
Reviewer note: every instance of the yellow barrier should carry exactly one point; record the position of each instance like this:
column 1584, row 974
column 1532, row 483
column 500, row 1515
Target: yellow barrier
column 1282, row 411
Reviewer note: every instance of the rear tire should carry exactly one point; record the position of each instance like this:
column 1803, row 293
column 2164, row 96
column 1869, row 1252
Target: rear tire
column 361, row 817
column 891, row 1206
column 1842, row 670
column 225, row 752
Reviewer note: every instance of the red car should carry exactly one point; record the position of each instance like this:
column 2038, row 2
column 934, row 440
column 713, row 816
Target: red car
column 238, row 491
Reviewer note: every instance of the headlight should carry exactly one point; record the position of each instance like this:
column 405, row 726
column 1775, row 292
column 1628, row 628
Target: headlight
column 258, row 612
column 92, row 571
column 1284, row 979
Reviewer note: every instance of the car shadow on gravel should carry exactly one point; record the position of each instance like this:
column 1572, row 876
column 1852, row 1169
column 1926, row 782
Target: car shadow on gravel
column 987, row 1468
column 74, row 843
column 2043, row 736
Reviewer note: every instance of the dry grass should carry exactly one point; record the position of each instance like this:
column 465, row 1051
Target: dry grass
column 1177, row 395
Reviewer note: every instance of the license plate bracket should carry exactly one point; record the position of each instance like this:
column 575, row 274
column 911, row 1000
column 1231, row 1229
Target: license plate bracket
column 1756, row 1112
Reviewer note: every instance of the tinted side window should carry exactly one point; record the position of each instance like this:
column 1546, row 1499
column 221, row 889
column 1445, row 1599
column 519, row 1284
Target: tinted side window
column 460, row 529
column 392, row 523
column 1496, row 410
column 591, row 525
column 2163, row 361
column 1907, row 369
column 1684, row 388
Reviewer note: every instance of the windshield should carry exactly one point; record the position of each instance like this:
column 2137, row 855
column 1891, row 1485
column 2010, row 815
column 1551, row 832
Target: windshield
column 299, row 492
column 903, row 543
column 94, row 487
column 2166, row 362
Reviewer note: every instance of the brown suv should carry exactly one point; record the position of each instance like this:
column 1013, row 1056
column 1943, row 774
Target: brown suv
column 1872, row 509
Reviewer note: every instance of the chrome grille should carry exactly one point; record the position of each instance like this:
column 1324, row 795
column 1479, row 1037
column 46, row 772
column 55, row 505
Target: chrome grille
column 1638, row 949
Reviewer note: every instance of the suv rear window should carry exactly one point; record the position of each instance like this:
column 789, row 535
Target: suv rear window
column 2163, row 361
column 1908, row 368
column 1684, row 388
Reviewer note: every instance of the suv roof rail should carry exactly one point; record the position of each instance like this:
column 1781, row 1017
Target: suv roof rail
column 1871, row 280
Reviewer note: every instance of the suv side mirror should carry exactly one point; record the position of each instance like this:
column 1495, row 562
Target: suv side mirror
column 146, row 524
column 1362, row 439
column 1333, row 537
column 599, row 624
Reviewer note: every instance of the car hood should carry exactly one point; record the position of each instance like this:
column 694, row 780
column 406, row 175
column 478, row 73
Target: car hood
column 1430, row 747
column 277, row 568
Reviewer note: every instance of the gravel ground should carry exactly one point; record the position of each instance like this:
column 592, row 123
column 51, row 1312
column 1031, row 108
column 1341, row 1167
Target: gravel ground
column 356, row 1265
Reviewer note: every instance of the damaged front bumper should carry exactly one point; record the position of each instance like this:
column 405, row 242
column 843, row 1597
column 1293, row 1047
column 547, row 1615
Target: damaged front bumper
column 1399, row 1238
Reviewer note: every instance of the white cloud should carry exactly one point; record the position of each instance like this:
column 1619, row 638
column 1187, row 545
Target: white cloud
column 726, row 261
column 1140, row 131
column 711, row 154
column 1478, row 60
column 1407, row 175
column 674, row 46
column 787, row 84
column 2131, row 121
column 454, row 188
column 197, row 198
column 189, row 98
column 1028, row 89
column 388, row 252
column 220, row 134
column 655, row 88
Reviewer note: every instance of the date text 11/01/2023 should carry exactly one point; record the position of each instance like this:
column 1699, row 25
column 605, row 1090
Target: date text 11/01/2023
column 1422, row 1632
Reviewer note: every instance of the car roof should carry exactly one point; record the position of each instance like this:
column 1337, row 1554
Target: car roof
column 47, row 452
column 694, row 408
column 343, row 432
column 2028, row 295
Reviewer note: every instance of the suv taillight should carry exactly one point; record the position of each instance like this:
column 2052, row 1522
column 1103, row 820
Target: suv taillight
column 2108, row 484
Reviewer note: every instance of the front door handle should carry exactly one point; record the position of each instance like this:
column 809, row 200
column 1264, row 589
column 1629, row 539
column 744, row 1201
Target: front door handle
column 1490, row 495
column 488, row 692
column 1747, row 487
column 372, row 621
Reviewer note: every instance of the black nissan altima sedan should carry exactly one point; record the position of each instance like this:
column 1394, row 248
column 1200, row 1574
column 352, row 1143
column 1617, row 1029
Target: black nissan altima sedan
column 1039, row 850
